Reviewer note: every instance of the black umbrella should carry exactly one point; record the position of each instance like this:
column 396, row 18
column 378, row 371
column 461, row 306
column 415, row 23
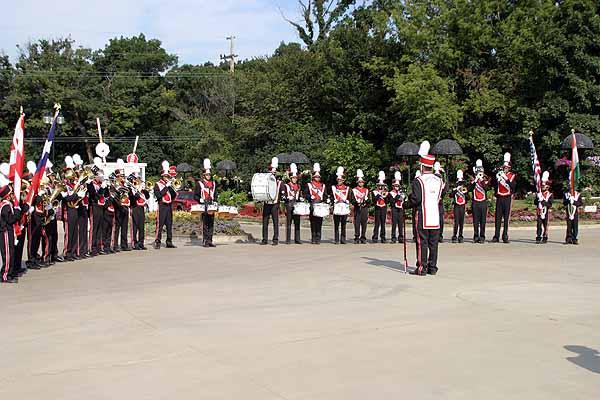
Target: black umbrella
column 184, row 167
column 283, row 158
column 298, row 158
column 583, row 142
column 447, row 147
column 226, row 165
column 407, row 149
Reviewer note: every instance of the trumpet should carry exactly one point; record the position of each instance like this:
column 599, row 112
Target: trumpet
column 150, row 184
column 176, row 183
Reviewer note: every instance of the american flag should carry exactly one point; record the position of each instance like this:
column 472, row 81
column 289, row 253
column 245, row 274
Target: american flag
column 41, row 166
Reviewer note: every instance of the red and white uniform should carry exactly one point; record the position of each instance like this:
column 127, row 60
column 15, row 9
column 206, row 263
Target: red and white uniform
column 460, row 198
column 340, row 193
column 380, row 198
column 479, row 190
column 396, row 203
column 432, row 188
column 207, row 191
column 166, row 199
column 292, row 191
column 316, row 190
column 504, row 188
column 361, row 195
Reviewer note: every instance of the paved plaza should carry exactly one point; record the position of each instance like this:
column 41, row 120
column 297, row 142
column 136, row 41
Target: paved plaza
column 243, row 321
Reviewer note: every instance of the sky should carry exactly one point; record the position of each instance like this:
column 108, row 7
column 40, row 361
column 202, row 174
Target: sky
column 193, row 30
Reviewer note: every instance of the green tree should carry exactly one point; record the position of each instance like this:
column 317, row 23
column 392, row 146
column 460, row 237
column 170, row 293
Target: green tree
column 352, row 152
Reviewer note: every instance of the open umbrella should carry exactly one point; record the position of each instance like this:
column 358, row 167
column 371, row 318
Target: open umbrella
column 226, row 165
column 284, row 158
column 184, row 167
column 583, row 142
column 447, row 147
column 407, row 149
column 298, row 158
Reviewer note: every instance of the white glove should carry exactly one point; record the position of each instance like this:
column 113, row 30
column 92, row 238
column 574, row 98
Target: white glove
column 168, row 184
column 572, row 200
column 17, row 208
column 540, row 197
column 64, row 194
column 81, row 194
column 104, row 185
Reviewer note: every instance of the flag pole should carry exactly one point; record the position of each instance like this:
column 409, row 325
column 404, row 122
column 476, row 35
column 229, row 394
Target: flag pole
column 100, row 136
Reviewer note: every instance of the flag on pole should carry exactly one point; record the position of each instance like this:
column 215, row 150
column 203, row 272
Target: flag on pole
column 17, row 158
column 535, row 164
column 41, row 166
column 575, row 172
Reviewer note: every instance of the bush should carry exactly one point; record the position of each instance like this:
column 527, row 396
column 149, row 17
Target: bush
column 232, row 198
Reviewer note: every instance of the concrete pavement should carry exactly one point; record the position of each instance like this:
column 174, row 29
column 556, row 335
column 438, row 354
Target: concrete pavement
column 518, row 321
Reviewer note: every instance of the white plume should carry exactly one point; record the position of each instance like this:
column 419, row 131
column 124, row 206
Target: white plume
column 424, row 148
column 165, row 166
column 49, row 165
column 437, row 166
column 69, row 162
column 479, row 163
column 381, row 177
column 120, row 163
column 77, row 159
column 339, row 172
column 206, row 163
column 98, row 162
column 4, row 169
column 31, row 167
column 545, row 176
column 274, row 162
column 293, row 169
column 317, row 167
column 507, row 157
column 360, row 173
column 397, row 176
column 459, row 175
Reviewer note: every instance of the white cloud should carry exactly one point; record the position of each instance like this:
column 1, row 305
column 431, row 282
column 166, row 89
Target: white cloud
column 194, row 30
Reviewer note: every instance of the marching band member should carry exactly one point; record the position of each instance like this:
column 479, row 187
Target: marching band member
column 205, row 193
column 36, row 227
column 50, row 228
column 543, row 203
column 414, row 213
column 315, row 194
column 506, row 183
column 479, row 208
column 291, row 194
column 24, row 221
column 396, row 199
column 122, row 210
column 82, row 211
column 98, row 193
column 108, row 223
column 460, row 197
column 9, row 216
column 360, row 201
column 70, row 203
column 439, row 171
column 271, row 208
column 572, row 202
column 165, row 194
column 380, row 195
column 139, row 195
column 425, row 197
column 340, row 193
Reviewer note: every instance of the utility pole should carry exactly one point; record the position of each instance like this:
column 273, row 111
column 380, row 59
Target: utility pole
column 231, row 56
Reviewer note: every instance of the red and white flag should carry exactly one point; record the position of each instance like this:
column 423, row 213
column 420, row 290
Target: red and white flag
column 17, row 158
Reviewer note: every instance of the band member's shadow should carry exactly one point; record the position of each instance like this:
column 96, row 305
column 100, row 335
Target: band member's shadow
column 586, row 358
column 389, row 264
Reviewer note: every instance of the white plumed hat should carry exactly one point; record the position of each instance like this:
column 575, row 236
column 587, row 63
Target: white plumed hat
column 274, row 164
column 381, row 178
column 293, row 169
column 437, row 166
column 77, row 159
column 397, row 178
column 31, row 167
column 316, row 169
column 206, row 165
column 507, row 159
column 69, row 162
column 545, row 176
column 360, row 175
column 340, row 172
column 459, row 175
column 165, row 167
column 426, row 159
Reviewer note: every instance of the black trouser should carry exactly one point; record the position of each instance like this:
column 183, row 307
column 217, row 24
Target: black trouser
column 270, row 211
column 479, row 215
column 289, row 218
column 379, row 229
column 441, row 221
column 208, row 227
column 71, row 232
column 82, row 222
column 121, row 226
column 138, row 220
column 361, row 218
column 572, row 227
column 7, row 249
column 397, row 224
column 337, row 221
column 19, row 249
column 459, row 221
column 316, row 224
column 108, row 222
column 414, row 224
column 164, row 219
column 35, row 235
column 50, row 234
column 96, row 228
column 427, row 249
column 503, row 205
column 542, row 227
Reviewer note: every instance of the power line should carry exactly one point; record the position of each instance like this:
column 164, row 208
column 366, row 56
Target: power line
column 92, row 140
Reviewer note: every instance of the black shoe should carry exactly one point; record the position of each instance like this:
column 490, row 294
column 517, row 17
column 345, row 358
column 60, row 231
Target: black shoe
column 58, row 259
column 142, row 247
column 22, row 271
column 275, row 242
column 363, row 241
column 156, row 246
column 288, row 242
column 538, row 240
column 211, row 244
column 431, row 271
column 34, row 265
column 10, row 280
column 393, row 240
column 454, row 239
column 342, row 242
column 125, row 249
column 575, row 241
column 205, row 245
column 461, row 239
column 383, row 241
column 441, row 240
column 297, row 242
column 416, row 272
column 69, row 258
column 374, row 241
column 476, row 240
column 495, row 240
column 336, row 242
column 171, row 246
column 505, row 241
column 482, row 240
column 263, row 243
column 545, row 240
column 356, row 241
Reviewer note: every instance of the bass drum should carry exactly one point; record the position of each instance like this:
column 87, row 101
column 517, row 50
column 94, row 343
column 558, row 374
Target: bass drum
column 264, row 187
column 341, row 209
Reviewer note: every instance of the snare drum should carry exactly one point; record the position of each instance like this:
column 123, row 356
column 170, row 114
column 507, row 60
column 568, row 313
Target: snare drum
column 321, row 210
column 341, row 209
column 301, row 208
column 212, row 208
column 264, row 187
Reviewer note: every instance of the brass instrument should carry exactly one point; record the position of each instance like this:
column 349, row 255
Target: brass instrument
column 150, row 184
column 84, row 176
column 177, row 183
